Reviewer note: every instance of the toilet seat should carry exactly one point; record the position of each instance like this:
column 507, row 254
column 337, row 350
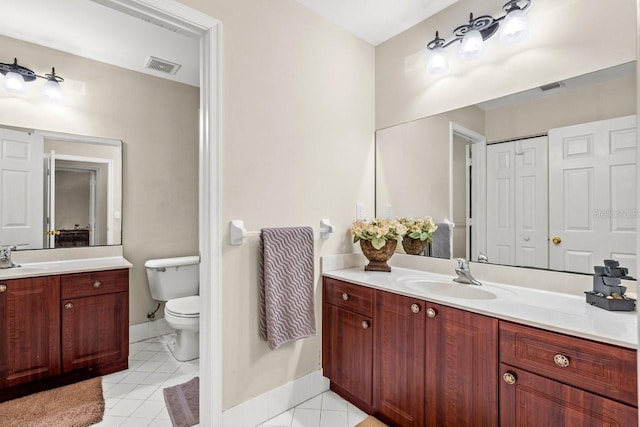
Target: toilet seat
column 188, row 307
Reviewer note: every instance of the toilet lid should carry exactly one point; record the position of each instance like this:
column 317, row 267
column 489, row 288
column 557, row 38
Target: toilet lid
column 184, row 307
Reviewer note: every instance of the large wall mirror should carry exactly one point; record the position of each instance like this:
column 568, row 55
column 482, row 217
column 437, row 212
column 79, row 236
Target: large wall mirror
column 59, row 190
column 545, row 178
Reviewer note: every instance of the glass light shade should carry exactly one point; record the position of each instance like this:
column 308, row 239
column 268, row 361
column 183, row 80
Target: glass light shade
column 472, row 45
column 437, row 63
column 52, row 90
column 514, row 28
column 14, row 82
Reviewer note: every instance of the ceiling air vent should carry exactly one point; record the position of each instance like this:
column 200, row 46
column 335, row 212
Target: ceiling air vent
column 162, row 65
column 551, row 86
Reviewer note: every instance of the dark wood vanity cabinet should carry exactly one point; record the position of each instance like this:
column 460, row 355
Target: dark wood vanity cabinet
column 434, row 365
column 61, row 329
column 95, row 321
column 29, row 330
column 461, row 368
column 562, row 380
column 399, row 380
column 347, row 345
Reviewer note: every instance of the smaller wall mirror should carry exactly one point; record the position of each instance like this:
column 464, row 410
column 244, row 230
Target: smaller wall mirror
column 59, row 190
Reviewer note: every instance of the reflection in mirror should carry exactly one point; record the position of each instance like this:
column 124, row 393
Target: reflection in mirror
column 545, row 178
column 59, row 190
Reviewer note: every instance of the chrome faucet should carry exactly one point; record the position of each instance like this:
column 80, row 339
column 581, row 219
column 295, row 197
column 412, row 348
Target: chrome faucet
column 464, row 274
column 5, row 257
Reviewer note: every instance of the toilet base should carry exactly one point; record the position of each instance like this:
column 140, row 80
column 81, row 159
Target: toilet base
column 185, row 346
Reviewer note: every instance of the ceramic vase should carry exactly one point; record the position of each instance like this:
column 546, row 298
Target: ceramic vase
column 378, row 257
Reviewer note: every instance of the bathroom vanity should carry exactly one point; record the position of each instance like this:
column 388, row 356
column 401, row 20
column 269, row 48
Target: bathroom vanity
column 62, row 322
column 415, row 349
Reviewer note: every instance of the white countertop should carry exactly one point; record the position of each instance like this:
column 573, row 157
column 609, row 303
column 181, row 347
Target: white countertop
column 557, row 312
column 64, row 267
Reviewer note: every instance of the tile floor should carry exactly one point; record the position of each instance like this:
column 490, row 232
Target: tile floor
column 325, row 410
column 134, row 397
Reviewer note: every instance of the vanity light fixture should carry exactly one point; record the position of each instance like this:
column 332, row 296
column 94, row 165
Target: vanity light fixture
column 513, row 25
column 16, row 76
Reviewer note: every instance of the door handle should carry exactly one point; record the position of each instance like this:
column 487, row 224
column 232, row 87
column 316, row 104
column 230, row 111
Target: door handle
column 556, row 240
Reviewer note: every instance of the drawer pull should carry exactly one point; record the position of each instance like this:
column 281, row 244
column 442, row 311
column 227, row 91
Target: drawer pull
column 415, row 308
column 68, row 306
column 431, row 312
column 561, row 360
column 3, row 288
column 365, row 324
column 96, row 284
column 509, row 378
column 345, row 296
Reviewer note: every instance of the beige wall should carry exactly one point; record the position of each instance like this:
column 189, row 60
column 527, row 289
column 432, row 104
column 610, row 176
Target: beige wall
column 412, row 169
column 297, row 146
column 158, row 122
column 567, row 38
column 606, row 100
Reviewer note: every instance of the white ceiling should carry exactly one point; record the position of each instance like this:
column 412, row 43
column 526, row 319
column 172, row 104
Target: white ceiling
column 88, row 29
column 91, row 30
column 376, row 21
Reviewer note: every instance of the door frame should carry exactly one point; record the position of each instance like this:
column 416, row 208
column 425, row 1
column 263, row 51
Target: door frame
column 478, row 200
column 207, row 30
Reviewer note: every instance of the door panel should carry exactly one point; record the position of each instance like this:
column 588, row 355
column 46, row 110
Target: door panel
column 592, row 194
column 21, row 189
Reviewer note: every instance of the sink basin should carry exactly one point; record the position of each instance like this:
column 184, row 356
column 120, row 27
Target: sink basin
column 455, row 290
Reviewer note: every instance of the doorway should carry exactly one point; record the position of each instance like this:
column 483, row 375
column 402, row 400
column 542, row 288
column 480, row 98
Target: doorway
column 207, row 30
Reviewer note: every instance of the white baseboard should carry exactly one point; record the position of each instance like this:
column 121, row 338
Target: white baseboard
column 274, row 402
column 146, row 330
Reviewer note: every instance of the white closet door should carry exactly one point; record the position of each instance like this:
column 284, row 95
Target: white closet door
column 592, row 194
column 500, row 203
column 530, row 197
column 21, row 189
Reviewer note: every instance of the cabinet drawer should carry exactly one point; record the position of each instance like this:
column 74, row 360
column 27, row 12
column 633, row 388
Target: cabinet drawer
column 596, row 367
column 348, row 296
column 94, row 283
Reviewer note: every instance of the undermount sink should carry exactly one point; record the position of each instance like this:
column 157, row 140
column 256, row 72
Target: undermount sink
column 455, row 290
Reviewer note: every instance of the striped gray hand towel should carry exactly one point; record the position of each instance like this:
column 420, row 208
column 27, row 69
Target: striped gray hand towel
column 286, row 285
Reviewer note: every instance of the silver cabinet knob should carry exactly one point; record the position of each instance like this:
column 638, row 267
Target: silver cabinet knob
column 365, row 324
column 345, row 296
column 68, row 306
column 96, row 284
column 561, row 360
column 415, row 308
column 509, row 378
column 431, row 312
column 3, row 288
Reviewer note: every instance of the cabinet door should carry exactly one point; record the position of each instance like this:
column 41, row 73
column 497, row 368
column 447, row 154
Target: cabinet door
column 30, row 330
column 95, row 331
column 550, row 403
column 462, row 368
column 347, row 354
column 400, row 346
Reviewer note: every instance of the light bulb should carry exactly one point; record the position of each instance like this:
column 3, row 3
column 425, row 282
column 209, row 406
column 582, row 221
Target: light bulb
column 437, row 63
column 52, row 90
column 514, row 28
column 14, row 82
column 472, row 45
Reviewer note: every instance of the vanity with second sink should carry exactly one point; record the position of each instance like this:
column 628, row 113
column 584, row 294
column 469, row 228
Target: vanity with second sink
column 417, row 349
column 62, row 322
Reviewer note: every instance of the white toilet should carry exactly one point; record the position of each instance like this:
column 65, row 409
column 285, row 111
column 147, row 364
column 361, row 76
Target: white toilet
column 176, row 281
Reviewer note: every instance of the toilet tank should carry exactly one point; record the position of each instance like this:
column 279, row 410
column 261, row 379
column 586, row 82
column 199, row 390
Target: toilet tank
column 171, row 278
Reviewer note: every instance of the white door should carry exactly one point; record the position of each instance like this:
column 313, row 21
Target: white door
column 500, row 204
column 592, row 195
column 531, row 226
column 517, row 203
column 21, row 185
